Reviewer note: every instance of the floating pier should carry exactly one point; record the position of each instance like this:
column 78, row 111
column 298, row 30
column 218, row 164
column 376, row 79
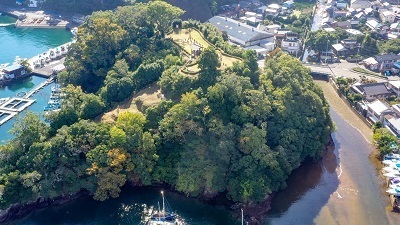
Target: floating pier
column 36, row 89
column 16, row 105
column 6, row 116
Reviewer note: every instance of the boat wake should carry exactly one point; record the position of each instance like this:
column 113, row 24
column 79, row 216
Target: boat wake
column 6, row 24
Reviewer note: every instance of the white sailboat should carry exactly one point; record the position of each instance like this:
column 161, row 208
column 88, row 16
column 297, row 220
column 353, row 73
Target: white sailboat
column 164, row 216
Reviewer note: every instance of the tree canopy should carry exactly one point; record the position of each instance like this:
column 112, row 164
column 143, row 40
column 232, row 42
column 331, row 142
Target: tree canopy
column 238, row 131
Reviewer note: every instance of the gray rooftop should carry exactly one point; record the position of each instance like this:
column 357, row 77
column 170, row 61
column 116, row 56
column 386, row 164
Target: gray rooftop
column 386, row 57
column 374, row 89
column 13, row 67
column 239, row 30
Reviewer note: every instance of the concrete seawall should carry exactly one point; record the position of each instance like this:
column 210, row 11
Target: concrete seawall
column 36, row 18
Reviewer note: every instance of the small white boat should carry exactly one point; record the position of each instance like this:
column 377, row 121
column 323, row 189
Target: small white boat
column 392, row 156
column 394, row 191
column 390, row 162
column 391, row 174
column 74, row 31
column 389, row 169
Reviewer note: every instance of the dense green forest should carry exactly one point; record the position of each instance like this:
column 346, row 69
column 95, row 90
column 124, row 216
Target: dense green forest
column 239, row 131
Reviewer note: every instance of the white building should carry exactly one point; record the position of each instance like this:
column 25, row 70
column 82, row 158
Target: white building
column 241, row 34
column 395, row 87
column 291, row 43
column 376, row 110
column 387, row 16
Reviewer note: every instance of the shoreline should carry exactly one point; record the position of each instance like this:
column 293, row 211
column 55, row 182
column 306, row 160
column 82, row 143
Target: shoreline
column 339, row 105
column 33, row 14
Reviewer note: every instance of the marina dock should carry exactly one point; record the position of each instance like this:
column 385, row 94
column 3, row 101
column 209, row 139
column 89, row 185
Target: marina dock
column 6, row 116
column 13, row 106
column 35, row 19
column 36, row 89
column 16, row 105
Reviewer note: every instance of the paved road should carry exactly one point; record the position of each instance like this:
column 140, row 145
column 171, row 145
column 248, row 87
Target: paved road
column 338, row 69
column 344, row 69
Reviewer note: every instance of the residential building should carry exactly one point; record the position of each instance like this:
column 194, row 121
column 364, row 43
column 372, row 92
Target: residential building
column 274, row 6
column 289, row 4
column 394, row 85
column 392, row 122
column 360, row 4
column 345, row 47
column 291, row 43
column 280, row 36
column 341, row 5
column 387, row 16
column 253, row 21
column 371, row 92
column 269, row 28
column 338, row 13
column 241, row 34
column 271, row 12
column 15, row 71
column 376, row 111
column 370, row 63
column 341, row 24
column 339, row 50
column 353, row 32
column 261, row 51
column 376, row 27
column 261, row 9
column 386, row 61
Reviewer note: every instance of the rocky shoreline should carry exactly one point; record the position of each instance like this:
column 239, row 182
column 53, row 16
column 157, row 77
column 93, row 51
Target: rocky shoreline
column 254, row 212
column 20, row 210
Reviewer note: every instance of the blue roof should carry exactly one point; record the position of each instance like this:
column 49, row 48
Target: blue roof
column 397, row 65
column 13, row 67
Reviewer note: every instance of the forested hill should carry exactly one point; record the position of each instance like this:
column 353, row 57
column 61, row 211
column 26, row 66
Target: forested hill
column 195, row 9
column 236, row 129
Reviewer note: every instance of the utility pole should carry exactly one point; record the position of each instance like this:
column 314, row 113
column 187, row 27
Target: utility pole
column 326, row 50
column 358, row 53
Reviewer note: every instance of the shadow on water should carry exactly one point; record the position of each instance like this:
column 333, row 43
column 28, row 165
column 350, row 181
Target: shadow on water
column 25, row 83
column 127, row 210
column 309, row 189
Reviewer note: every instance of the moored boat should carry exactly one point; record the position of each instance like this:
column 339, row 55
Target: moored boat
column 163, row 216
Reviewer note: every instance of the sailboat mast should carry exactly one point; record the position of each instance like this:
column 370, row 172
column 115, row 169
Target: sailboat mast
column 163, row 203
column 158, row 211
column 242, row 216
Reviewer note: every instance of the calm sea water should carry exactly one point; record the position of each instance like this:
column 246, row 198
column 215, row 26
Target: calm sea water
column 127, row 209
column 26, row 43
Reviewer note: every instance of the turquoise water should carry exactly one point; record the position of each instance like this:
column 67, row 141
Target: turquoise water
column 26, row 43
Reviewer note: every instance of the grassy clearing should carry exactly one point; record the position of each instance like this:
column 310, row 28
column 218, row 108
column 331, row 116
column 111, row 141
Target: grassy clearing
column 186, row 37
column 296, row 13
column 149, row 96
